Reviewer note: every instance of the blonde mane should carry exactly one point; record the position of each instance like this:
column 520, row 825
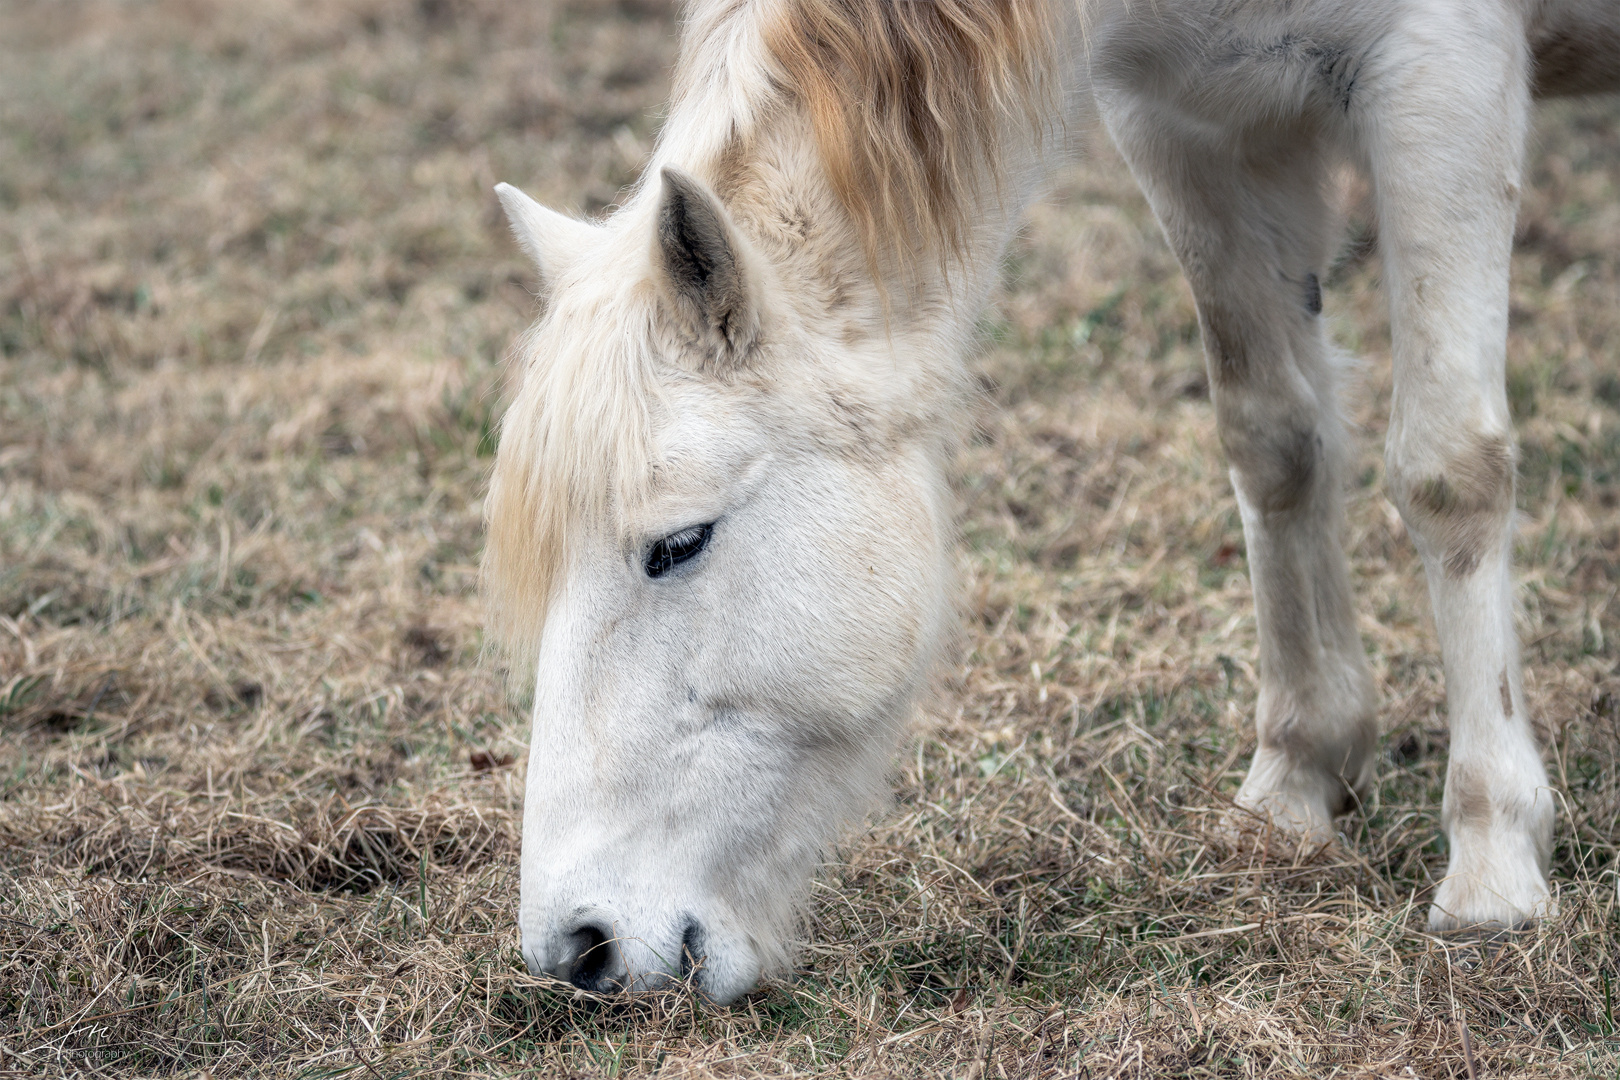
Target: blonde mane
column 908, row 102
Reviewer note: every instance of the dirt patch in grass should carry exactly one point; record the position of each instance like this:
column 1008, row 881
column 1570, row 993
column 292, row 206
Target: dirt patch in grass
column 258, row 795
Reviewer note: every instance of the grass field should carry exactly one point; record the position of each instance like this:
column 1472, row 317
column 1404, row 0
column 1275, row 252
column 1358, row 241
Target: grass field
column 259, row 794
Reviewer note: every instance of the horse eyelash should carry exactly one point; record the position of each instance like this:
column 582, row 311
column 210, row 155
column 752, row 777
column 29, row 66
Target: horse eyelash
column 661, row 558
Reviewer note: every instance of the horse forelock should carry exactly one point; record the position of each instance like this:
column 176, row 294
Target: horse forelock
column 576, row 449
column 912, row 103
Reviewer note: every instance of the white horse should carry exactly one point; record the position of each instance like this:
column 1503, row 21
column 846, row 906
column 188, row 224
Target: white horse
column 720, row 532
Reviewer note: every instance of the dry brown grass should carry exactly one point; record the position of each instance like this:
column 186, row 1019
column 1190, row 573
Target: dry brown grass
column 258, row 797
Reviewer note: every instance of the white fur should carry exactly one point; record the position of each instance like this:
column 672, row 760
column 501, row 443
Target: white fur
column 555, row 242
column 699, row 739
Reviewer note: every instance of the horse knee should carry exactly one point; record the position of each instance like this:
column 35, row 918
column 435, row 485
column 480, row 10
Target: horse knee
column 1277, row 464
column 1461, row 509
column 1271, row 429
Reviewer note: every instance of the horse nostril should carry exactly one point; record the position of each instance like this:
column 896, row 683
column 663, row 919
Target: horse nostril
column 692, row 955
column 591, row 959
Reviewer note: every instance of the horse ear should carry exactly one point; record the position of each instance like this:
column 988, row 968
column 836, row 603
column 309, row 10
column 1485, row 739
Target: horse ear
column 705, row 267
column 554, row 241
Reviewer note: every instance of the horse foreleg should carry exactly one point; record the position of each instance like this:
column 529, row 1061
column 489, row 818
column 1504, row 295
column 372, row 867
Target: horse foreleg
column 1249, row 220
column 1445, row 114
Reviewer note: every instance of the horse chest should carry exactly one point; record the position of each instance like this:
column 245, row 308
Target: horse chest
column 1257, row 62
column 1215, row 61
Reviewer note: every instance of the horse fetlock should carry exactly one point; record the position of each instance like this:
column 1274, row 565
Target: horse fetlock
column 1299, row 793
column 1462, row 509
column 1497, row 876
column 1312, row 764
column 1295, row 797
column 1498, row 818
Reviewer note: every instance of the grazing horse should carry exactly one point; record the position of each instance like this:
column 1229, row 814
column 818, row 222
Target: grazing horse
column 719, row 523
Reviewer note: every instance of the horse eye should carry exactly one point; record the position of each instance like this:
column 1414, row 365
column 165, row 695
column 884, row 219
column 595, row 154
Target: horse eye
column 676, row 548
